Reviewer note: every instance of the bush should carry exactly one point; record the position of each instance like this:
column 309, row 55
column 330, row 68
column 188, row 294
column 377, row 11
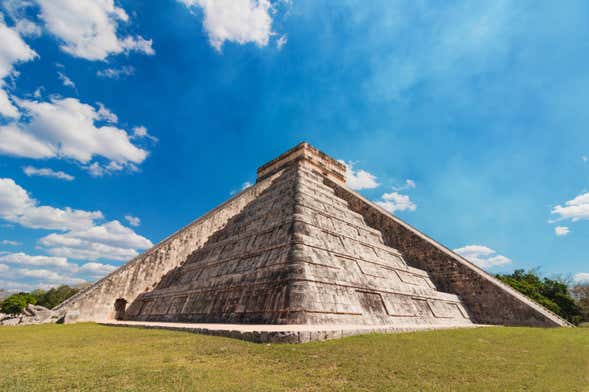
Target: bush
column 17, row 302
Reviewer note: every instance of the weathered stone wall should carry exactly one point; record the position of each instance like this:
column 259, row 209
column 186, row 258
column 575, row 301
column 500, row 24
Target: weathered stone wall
column 488, row 301
column 298, row 255
column 143, row 273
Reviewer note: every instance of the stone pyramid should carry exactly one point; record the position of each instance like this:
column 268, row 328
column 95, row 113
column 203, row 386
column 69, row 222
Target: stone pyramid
column 296, row 248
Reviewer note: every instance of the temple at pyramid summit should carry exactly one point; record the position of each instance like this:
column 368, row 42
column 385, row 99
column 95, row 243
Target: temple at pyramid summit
column 296, row 257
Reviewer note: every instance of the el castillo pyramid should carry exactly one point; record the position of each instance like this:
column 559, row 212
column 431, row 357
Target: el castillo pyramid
column 300, row 251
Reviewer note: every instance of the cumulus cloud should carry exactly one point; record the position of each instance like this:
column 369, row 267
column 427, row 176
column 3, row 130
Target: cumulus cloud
column 110, row 241
column 47, row 172
column 82, row 238
column 24, row 277
column 49, row 276
column 561, row 230
column 395, row 201
column 359, row 179
column 133, row 220
column 581, row 277
column 68, row 128
column 482, row 256
column 239, row 21
column 12, row 50
column 25, row 259
column 85, row 250
column 116, row 73
column 89, row 28
column 52, row 263
column 575, row 210
column 17, row 206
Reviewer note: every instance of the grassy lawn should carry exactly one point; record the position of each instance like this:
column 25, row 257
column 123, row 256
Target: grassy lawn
column 97, row 358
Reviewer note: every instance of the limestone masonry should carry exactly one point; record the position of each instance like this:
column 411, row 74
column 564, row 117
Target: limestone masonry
column 299, row 247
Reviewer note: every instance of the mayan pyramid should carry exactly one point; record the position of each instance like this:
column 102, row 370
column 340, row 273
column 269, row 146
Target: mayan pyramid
column 299, row 247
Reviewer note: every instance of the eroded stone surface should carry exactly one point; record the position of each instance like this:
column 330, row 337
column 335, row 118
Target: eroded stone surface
column 32, row 314
column 487, row 299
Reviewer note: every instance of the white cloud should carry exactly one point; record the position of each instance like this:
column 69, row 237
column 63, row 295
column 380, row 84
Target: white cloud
column 46, row 275
column 47, row 172
column 96, row 269
column 584, row 158
column 48, row 263
column 140, row 132
column 482, row 256
column 66, row 128
column 12, row 50
column 409, row 184
column 27, row 28
column 88, row 28
column 15, row 286
column 15, row 141
column 133, row 220
column 105, row 114
column 18, row 207
column 85, row 250
column 95, row 170
column 281, row 41
column 83, row 238
column 359, row 179
column 111, row 241
column 39, row 261
column 116, row 73
column 9, row 242
column 581, row 277
column 575, row 210
column 561, row 230
column 66, row 80
column 239, row 21
column 98, row 170
column 4, row 268
column 138, row 44
column 395, row 201
column 112, row 233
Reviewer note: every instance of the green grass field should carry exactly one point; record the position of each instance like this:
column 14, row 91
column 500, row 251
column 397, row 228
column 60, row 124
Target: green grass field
column 97, row 358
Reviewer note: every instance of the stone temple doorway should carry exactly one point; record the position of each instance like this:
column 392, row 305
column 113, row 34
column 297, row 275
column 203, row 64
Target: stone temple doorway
column 120, row 308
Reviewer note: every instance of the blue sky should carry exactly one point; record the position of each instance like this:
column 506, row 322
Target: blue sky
column 120, row 122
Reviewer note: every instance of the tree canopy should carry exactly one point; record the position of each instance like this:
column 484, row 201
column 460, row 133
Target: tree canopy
column 15, row 303
column 551, row 293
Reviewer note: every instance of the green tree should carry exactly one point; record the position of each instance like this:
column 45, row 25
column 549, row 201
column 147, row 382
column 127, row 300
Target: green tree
column 54, row 296
column 17, row 302
column 552, row 293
